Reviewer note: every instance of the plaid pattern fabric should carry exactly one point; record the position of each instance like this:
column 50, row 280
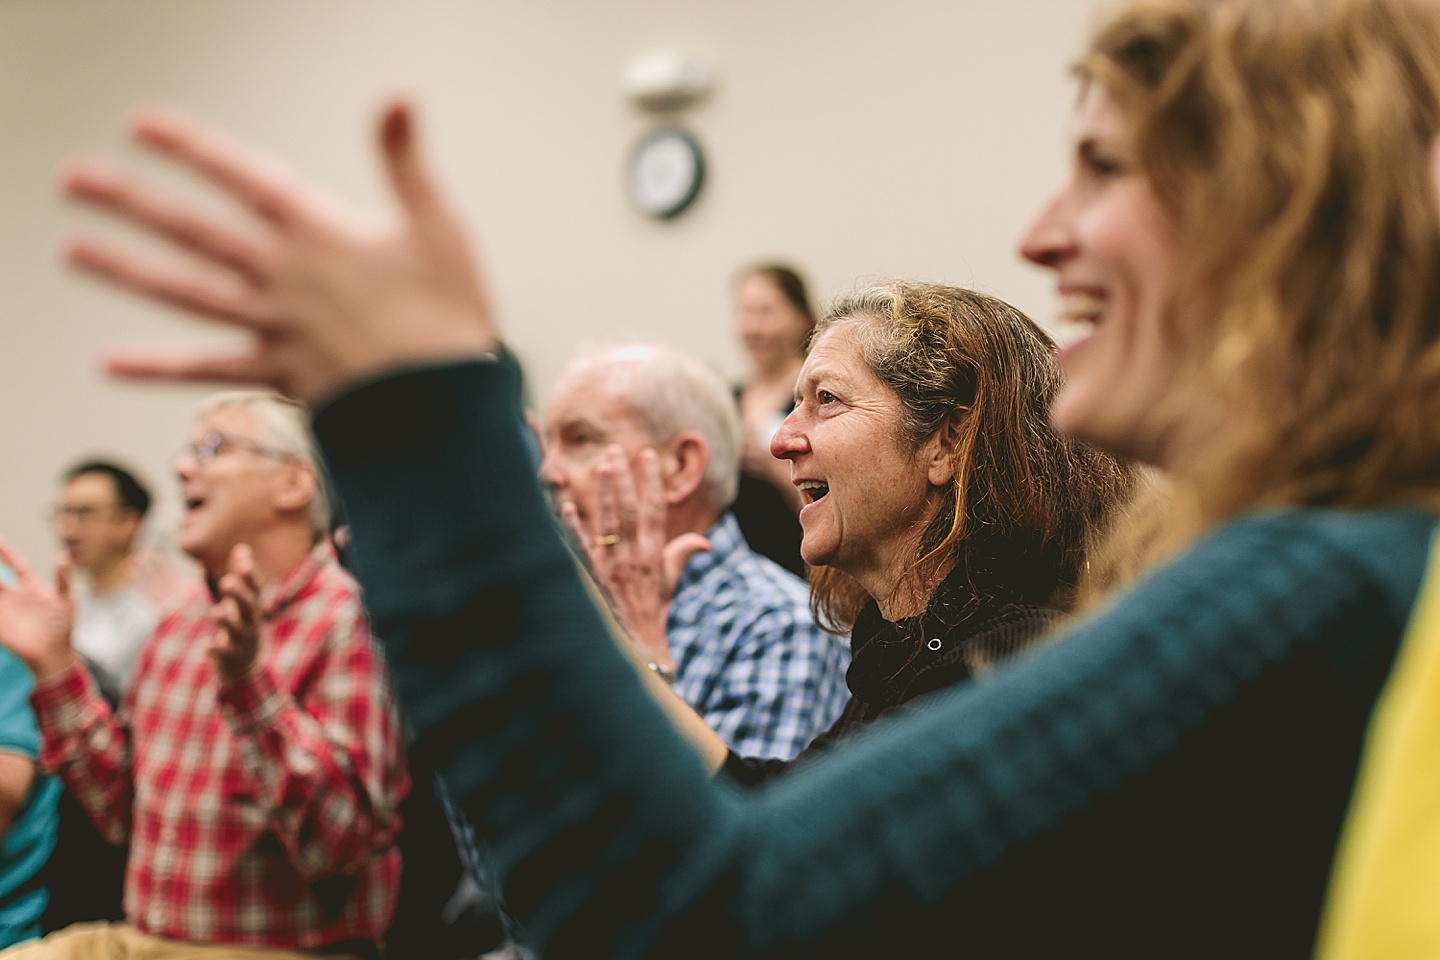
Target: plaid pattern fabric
column 748, row 656
column 261, row 812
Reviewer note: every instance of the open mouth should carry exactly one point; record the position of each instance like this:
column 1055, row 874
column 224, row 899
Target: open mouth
column 812, row 490
column 193, row 503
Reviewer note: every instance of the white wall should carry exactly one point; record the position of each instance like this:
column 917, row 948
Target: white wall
column 905, row 138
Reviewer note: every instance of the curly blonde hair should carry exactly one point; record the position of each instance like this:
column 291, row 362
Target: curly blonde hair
column 1291, row 140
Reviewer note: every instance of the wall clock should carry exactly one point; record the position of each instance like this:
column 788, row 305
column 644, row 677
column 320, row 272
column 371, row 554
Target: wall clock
column 665, row 172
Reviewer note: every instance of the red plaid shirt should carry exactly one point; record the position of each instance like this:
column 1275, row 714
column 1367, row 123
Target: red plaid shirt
column 260, row 812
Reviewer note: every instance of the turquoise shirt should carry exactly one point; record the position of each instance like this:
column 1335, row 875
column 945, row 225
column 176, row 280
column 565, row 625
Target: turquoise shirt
column 27, row 844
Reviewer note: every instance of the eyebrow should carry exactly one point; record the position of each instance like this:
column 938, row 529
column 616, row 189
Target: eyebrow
column 821, row 373
column 578, row 423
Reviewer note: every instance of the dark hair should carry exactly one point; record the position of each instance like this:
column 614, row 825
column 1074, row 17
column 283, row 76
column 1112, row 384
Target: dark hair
column 1026, row 502
column 788, row 281
column 130, row 492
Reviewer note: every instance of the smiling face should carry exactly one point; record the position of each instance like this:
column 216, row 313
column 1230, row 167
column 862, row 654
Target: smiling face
column 771, row 328
column 1112, row 246
column 232, row 499
column 868, row 492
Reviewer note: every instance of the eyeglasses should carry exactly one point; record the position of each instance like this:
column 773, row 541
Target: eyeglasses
column 83, row 512
column 214, row 443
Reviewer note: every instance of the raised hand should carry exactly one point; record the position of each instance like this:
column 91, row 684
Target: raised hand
column 35, row 621
column 235, row 647
column 328, row 299
column 627, row 551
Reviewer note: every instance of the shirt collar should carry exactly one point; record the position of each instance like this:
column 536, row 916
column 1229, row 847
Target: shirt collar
column 725, row 540
column 275, row 598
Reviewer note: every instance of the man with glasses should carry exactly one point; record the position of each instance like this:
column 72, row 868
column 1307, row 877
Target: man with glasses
column 256, row 765
column 98, row 519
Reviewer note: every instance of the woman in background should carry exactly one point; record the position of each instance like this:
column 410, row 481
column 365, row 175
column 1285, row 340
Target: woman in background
column 774, row 319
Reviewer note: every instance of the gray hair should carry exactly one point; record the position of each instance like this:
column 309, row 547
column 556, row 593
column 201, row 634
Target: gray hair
column 284, row 426
column 673, row 392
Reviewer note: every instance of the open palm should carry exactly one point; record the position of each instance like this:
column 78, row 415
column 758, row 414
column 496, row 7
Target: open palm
column 34, row 619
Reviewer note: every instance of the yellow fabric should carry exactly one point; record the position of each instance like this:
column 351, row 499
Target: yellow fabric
column 1384, row 899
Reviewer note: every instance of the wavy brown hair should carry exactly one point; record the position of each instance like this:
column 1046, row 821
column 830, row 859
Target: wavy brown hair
column 1290, row 140
column 1025, row 501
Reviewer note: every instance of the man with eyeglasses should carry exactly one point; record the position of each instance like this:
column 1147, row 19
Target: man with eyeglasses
column 98, row 519
column 256, row 765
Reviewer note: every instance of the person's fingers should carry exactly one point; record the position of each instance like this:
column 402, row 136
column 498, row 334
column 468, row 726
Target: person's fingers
column 226, row 614
column 190, row 368
column 570, row 516
column 607, row 502
column 187, row 289
column 151, row 209
column 678, row 553
column 651, row 510
column 253, row 178
column 63, row 575
column 626, row 499
column 243, row 586
column 410, row 178
column 15, row 562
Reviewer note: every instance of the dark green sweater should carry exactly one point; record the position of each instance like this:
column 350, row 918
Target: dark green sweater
column 1168, row 780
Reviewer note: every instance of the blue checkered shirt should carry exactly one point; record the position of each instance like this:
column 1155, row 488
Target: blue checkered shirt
column 748, row 656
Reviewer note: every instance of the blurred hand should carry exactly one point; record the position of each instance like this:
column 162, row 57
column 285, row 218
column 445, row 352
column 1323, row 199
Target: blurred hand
column 627, row 551
column 328, row 299
column 235, row 647
column 35, row 621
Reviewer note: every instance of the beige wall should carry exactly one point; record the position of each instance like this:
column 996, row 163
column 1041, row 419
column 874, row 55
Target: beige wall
column 858, row 138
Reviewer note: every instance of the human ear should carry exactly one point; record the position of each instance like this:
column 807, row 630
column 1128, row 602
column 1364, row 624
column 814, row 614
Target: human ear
column 295, row 486
column 683, row 466
column 943, row 447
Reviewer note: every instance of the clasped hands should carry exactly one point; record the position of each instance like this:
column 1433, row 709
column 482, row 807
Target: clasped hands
column 36, row 620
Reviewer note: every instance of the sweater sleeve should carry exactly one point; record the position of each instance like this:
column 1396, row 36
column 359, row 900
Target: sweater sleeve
column 608, row 835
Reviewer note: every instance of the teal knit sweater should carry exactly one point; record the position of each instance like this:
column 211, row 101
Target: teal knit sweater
column 1166, row 780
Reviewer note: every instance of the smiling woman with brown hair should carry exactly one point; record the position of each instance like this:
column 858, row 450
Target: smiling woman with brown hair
column 1249, row 228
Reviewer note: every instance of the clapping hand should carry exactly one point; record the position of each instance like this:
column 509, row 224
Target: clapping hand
column 235, row 647
column 35, row 621
column 327, row 298
column 627, row 551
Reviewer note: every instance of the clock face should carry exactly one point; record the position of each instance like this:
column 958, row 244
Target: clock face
column 666, row 170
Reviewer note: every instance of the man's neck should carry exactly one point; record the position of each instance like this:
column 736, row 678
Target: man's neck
column 276, row 553
column 689, row 517
column 111, row 578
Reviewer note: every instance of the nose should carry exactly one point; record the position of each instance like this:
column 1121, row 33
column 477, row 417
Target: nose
column 1049, row 239
column 65, row 524
column 789, row 439
column 550, row 472
column 185, row 465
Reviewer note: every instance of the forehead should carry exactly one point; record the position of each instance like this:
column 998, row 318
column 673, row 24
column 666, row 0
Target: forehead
column 1098, row 116
column 837, row 353
column 759, row 287
column 600, row 392
column 91, row 488
column 231, row 419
